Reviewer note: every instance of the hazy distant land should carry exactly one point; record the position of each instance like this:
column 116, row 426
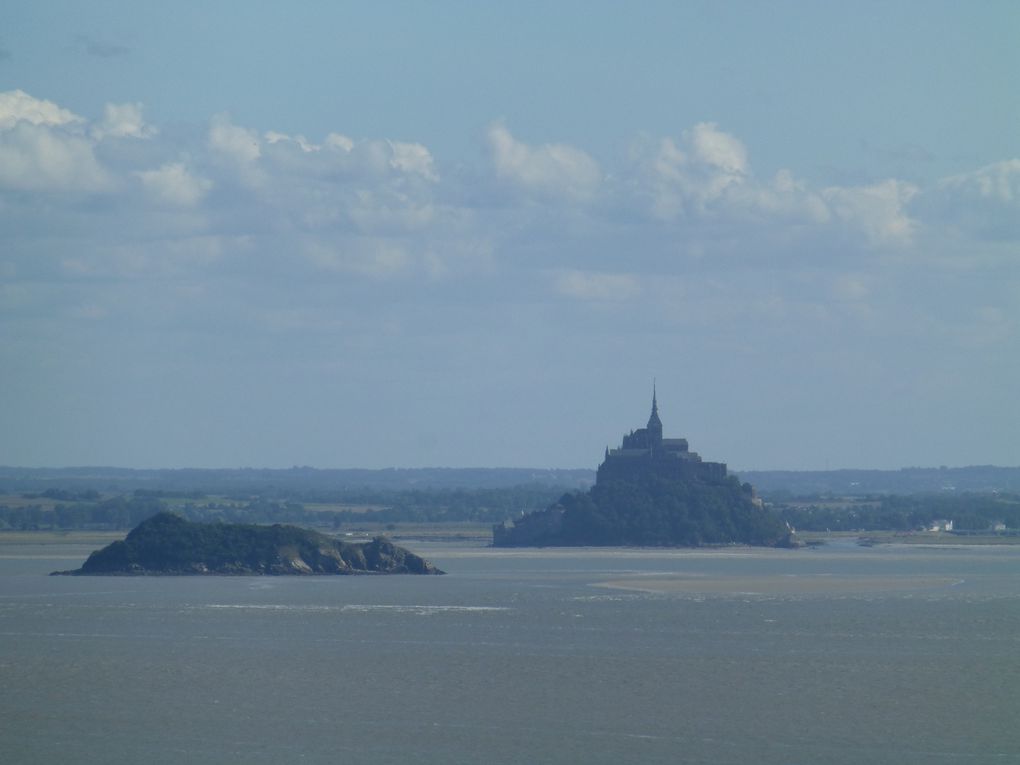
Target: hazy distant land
column 453, row 502
column 303, row 478
column 848, row 481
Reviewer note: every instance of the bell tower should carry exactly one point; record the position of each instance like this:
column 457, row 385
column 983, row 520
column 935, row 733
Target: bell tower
column 654, row 423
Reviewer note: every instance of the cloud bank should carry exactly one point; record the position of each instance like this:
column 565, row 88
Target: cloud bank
column 332, row 255
column 250, row 181
column 547, row 219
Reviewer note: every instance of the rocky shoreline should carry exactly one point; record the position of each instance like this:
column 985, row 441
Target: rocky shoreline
column 168, row 545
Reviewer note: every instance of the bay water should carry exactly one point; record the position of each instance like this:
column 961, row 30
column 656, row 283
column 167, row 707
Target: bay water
column 838, row 654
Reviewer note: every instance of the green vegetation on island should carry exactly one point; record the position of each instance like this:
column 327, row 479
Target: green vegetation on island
column 169, row 544
column 655, row 512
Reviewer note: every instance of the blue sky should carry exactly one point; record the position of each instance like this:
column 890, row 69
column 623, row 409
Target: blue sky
column 460, row 234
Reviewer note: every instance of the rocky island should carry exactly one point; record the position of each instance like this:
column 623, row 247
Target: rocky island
column 652, row 491
column 167, row 544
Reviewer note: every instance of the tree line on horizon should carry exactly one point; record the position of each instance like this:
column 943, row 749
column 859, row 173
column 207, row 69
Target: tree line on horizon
column 63, row 509
column 969, row 511
column 78, row 510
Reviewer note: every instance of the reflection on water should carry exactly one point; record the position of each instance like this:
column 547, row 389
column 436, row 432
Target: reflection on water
column 834, row 655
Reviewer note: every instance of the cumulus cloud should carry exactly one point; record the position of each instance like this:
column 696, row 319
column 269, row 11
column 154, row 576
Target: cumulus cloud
column 998, row 182
column 688, row 178
column 18, row 106
column 553, row 169
column 238, row 151
column 878, row 210
column 35, row 157
column 272, row 136
column 413, row 158
column 722, row 153
column 339, row 142
column 339, row 156
column 123, row 121
column 173, row 184
column 202, row 231
column 984, row 202
column 787, row 198
column 378, row 207
column 44, row 147
column 239, row 144
column 708, row 175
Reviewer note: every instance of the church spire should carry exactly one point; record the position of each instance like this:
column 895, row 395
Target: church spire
column 654, row 423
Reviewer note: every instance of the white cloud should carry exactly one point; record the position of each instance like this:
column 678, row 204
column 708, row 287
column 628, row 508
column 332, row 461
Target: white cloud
column 123, row 121
column 34, row 157
column 413, row 158
column 878, row 210
column 788, row 198
column 687, row 179
column 42, row 147
column 238, row 143
column 17, row 106
column 712, row 147
column 708, row 177
column 380, row 207
column 590, row 285
column 372, row 187
column 984, row 202
column 273, row 136
column 238, row 147
column 339, row 141
column 173, row 184
column 998, row 182
column 556, row 169
column 200, row 232
column 342, row 159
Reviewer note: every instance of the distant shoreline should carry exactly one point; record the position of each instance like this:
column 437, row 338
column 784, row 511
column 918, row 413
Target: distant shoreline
column 842, row 481
column 480, row 535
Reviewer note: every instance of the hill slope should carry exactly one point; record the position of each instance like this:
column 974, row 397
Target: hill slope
column 651, row 512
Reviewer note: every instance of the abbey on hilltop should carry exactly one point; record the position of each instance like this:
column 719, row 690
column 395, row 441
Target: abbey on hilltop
column 652, row 491
column 646, row 452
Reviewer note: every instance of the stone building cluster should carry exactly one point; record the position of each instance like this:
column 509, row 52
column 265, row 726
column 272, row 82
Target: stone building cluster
column 645, row 453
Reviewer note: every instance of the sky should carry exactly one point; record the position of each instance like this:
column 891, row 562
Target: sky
column 463, row 234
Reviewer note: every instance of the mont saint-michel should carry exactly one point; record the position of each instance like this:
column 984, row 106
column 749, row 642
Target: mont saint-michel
column 651, row 491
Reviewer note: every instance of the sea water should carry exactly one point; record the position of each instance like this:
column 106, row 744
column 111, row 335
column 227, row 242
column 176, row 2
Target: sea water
column 840, row 654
